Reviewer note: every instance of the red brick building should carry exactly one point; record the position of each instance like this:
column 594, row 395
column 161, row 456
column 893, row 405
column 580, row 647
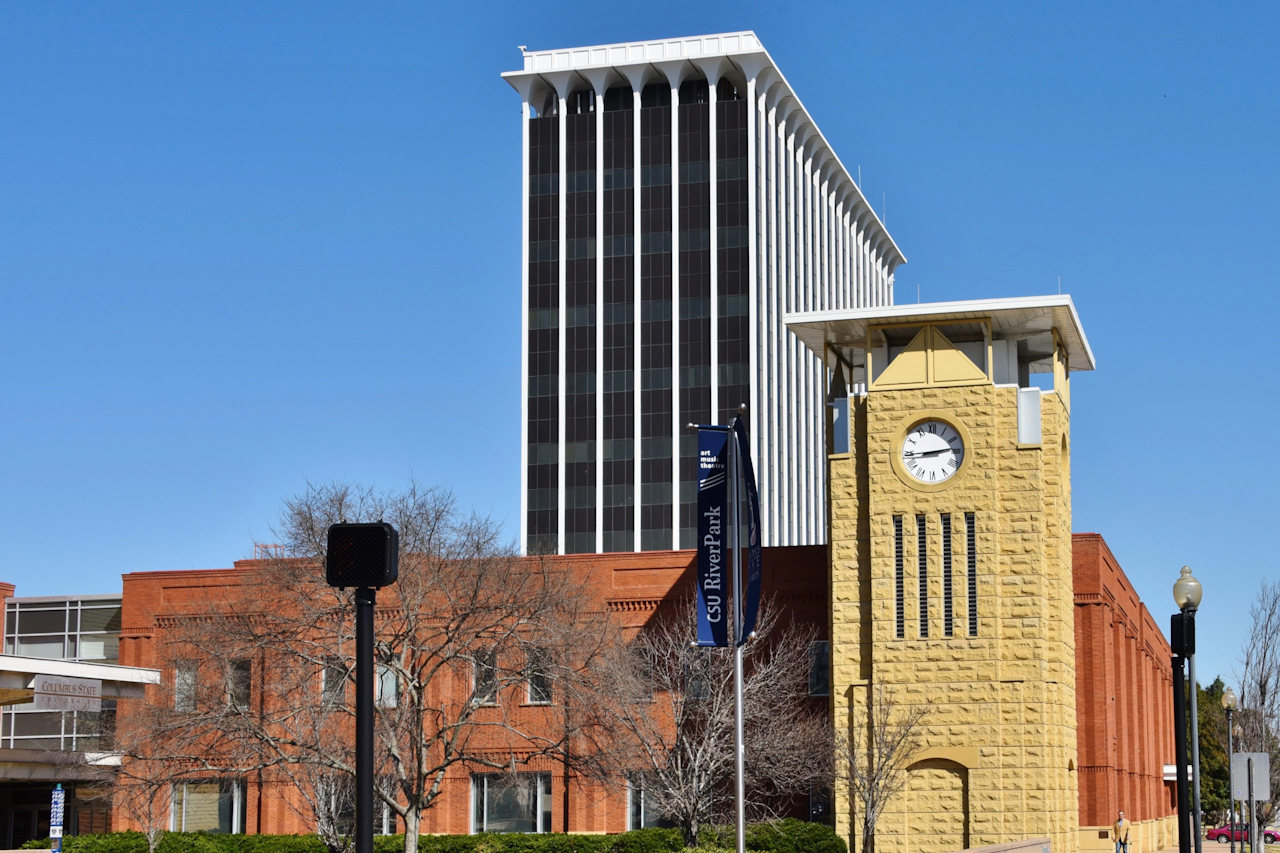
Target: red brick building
column 1124, row 703
column 1122, row 664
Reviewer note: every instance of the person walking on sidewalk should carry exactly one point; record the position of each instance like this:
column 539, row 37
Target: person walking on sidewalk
column 1121, row 831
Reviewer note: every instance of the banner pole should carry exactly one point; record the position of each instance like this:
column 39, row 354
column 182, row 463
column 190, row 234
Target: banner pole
column 739, row 622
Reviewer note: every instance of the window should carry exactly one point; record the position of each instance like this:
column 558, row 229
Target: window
column 580, row 182
column 617, row 381
column 333, row 680
column 655, row 379
column 485, row 675
column 820, row 668
column 239, row 683
column 76, row 629
column 644, row 667
column 971, row 558
column 185, row 682
column 922, row 564
column 820, row 805
column 336, row 797
column 511, row 803
column 538, row 677
column 898, row 579
column 544, row 184
column 734, row 237
column 641, row 815
column 948, row 612
column 694, row 681
column 386, row 688
column 618, row 246
column 215, row 806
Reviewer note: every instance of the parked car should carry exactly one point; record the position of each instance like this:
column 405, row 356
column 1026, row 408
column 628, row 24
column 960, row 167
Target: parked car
column 1223, row 834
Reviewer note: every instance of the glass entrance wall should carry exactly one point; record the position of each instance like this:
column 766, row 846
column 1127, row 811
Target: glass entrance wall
column 85, row 628
column 24, row 811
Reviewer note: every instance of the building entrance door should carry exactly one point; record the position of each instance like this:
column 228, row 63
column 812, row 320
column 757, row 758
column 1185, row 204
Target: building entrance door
column 29, row 823
column 24, row 812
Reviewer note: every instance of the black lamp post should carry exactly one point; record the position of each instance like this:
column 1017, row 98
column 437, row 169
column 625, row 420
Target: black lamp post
column 1229, row 703
column 1187, row 593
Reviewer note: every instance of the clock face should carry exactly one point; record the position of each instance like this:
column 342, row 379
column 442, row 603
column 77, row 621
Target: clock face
column 932, row 451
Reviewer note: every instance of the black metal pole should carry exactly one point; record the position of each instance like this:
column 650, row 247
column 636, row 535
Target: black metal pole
column 1253, row 811
column 365, row 597
column 1179, row 753
column 1231, row 794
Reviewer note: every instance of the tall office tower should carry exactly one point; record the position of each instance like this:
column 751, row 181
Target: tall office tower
column 677, row 200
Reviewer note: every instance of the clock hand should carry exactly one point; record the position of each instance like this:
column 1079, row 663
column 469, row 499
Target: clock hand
column 928, row 452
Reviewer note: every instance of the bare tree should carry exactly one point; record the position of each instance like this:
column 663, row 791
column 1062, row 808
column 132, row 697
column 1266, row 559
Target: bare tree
column 460, row 637
column 671, row 720
column 1259, row 678
column 872, row 759
column 140, row 787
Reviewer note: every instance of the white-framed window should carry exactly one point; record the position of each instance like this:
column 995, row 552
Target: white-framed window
column 820, row 668
column 538, row 677
column 639, row 814
column 186, row 679
column 386, row 688
column 213, row 805
column 333, row 679
column 511, row 803
column 338, row 795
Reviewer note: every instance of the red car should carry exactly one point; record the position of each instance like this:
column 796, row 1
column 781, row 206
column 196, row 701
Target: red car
column 1223, row 834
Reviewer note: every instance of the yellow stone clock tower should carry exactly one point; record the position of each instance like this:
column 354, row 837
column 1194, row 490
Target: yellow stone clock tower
column 949, row 516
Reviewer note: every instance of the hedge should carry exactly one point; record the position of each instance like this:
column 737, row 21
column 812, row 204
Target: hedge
column 787, row 836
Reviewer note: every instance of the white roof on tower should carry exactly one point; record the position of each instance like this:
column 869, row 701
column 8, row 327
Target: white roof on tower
column 673, row 60
column 1020, row 317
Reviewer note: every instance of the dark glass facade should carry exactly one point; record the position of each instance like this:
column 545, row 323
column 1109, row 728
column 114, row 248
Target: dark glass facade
column 694, row 310
column 655, row 318
column 544, row 334
column 580, row 324
column 618, row 385
column 733, row 247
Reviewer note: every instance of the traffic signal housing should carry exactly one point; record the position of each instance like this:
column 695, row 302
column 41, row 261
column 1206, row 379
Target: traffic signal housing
column 362, row 555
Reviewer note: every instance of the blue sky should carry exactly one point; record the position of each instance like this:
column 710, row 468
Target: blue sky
column 247, row 245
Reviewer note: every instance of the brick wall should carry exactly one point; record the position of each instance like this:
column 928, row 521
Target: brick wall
column 1124, row 695
column 633, row 587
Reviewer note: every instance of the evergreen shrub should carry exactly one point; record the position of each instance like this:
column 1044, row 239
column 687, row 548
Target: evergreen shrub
column 788, row 836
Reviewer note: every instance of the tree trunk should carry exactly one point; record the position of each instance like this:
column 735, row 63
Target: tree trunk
column 691, row 833
column 412, row 822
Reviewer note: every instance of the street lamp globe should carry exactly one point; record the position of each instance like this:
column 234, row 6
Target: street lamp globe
column 1229, row 700
column 1187, row 591
column 1236, row 731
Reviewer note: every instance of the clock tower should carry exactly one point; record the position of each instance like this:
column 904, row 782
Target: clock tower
column 950, row 562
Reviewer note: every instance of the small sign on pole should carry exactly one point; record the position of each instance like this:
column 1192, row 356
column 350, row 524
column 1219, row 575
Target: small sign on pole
column 1261, row 776
column 56, row 808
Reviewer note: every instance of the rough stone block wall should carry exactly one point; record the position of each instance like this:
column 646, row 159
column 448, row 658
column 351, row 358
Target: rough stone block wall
column 1004, row 701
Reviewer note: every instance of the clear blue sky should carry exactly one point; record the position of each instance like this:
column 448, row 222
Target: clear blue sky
column 203, row 207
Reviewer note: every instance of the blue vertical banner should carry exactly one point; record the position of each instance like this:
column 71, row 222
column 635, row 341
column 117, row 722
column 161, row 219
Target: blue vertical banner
column 56, row 808
column 713, row 531
column 755, row 560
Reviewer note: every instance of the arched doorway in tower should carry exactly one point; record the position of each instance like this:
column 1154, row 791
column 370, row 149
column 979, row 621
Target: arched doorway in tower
column 937, row 796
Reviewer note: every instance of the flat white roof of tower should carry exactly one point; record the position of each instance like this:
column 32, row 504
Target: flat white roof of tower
column 674, row 60
column 1022, row 316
